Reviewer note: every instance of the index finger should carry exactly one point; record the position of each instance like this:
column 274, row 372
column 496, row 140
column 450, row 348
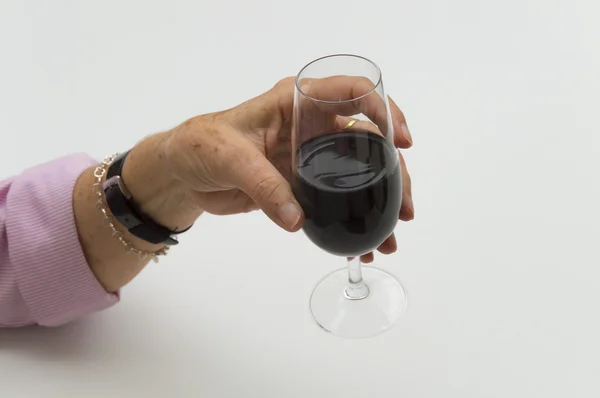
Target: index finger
column 351, row 95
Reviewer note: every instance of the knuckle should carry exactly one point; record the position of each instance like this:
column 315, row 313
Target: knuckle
column 362, row 86
column 365, row 80
column 406, row 176
column 286, row 81
column 265, row 188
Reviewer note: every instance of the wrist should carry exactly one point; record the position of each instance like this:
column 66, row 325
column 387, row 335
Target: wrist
column 157, row 192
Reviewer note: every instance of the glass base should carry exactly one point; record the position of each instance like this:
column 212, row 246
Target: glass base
column 347, row 317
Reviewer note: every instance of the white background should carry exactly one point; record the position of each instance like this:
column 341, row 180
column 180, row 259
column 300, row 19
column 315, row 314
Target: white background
column 501, row 263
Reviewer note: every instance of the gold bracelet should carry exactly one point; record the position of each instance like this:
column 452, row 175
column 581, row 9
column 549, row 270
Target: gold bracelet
column 109, row 220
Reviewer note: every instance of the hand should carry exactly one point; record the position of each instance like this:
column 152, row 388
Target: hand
column 239, row 160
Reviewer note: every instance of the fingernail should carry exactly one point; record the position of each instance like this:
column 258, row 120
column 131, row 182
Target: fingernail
column 289, row 215
column 406, row 133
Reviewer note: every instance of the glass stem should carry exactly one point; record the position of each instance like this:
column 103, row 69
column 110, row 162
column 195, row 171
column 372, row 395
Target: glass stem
column 356, row 289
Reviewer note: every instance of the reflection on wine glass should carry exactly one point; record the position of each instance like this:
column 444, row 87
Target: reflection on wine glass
column 347, row 178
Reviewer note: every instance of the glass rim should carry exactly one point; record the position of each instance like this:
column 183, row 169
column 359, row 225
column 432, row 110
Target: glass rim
column 377, row 84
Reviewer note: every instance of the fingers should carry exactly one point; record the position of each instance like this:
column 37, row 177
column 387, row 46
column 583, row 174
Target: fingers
column 346, row 122
column 402, row 137
column 367, row 258
column 407, row 213
column 407, row 209
column 213, row 157
column 347, row 96
column 389, row 246
column 261, row 181
column 344, row 96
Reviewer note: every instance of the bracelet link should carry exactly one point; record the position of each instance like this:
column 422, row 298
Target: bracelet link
column 97, row 189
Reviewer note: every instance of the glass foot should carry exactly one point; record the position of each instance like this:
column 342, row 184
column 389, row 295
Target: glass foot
column 348, row 317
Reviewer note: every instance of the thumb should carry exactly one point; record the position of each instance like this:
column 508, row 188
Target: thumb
column 262, row 182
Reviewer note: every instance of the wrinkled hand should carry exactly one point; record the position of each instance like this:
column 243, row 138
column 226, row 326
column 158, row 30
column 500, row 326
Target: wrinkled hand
column 239, row 160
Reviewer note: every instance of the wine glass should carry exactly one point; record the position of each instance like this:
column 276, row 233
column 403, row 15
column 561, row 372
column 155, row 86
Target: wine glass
column 346, row 176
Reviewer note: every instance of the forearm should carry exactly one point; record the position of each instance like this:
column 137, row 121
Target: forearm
column 158, row 194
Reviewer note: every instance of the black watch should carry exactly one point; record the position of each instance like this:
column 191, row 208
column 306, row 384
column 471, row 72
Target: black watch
column 128, row 213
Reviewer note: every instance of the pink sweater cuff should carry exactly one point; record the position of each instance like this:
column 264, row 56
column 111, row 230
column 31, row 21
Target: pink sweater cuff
column 51, row 271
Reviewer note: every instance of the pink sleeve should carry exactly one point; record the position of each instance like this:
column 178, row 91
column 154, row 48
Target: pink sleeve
column 44, row 277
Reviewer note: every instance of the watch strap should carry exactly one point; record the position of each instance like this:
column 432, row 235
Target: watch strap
column 128, row 213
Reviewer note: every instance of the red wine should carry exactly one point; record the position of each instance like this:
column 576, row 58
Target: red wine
column 349, row 186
